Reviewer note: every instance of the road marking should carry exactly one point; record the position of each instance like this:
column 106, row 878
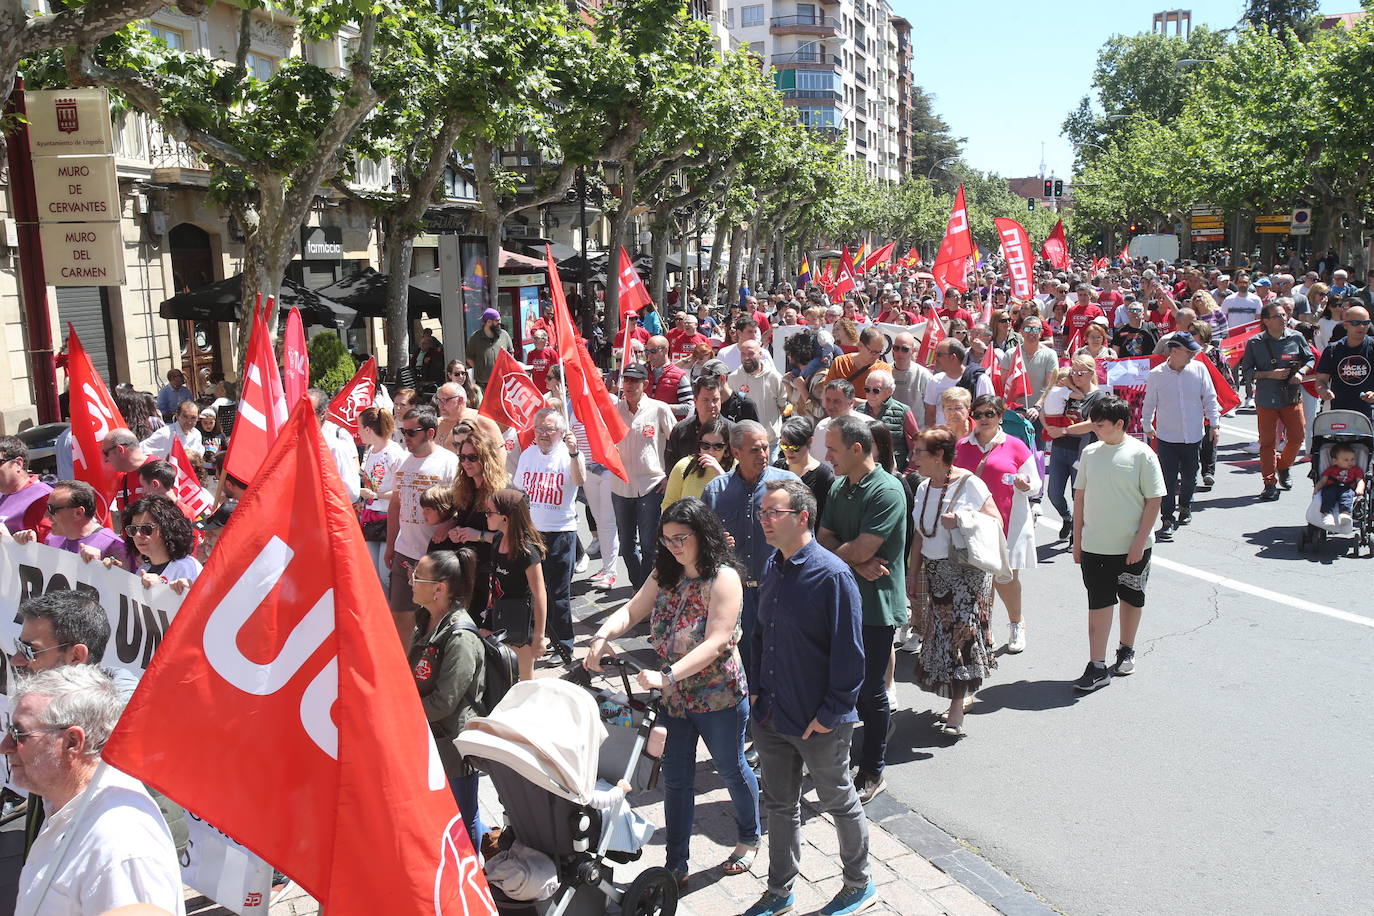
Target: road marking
column 1248, row 434
column 1255, row 591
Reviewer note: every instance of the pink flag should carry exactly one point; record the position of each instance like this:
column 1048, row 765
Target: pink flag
column 295, row 359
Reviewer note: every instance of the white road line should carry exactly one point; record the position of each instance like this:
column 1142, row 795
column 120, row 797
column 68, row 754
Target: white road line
column 1248, row 434
column 1255, row 591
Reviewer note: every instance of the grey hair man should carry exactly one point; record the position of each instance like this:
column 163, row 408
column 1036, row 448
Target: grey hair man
column 105, row 843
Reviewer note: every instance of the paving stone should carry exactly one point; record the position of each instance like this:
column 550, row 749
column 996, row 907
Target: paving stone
column 959, row 901
column 977, row 875
column 920, row 835
column 712, row 901
column 820, row 833
column 916, row 870
column 908, row 900
column 817, row 866
column 883, row 846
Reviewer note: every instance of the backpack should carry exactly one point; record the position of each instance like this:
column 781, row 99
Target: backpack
column 969, row 380
column 500, row 667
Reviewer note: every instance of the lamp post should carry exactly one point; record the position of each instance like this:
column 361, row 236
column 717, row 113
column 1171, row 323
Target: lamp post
column 940, row 163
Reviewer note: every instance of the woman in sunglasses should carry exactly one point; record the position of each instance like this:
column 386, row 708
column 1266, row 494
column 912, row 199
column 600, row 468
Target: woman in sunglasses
column 692, row 600
column 795, row 444
column 690, row 476
column 481, row 472
column 458, row 374
column 162, row 538
column 1066, row 426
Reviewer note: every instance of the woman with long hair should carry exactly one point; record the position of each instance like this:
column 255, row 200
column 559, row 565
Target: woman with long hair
column 384, row 456
column 481, row 472
column 1066, row 425
column 133, row 407
column 1004, row 338
column 457, row 372
column 161, row 537
column 692, row 600
column 447, row 659
column 1204, row 305
column 690, row 475
column 517, row 573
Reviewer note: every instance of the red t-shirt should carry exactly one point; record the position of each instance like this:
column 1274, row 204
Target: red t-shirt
column 1346, row 477
column 638, row 334
column 1163, row 319
column 1078, row 317
column 963, row 314
column 681, row 344
column 1110, row 297
column 540, row 361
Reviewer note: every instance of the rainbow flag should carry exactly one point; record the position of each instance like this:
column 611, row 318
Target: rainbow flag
column 861, row 253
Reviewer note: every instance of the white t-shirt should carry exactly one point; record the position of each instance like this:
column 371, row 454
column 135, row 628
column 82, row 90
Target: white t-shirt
column 188, row 568
column 121, row 853
column 942, row 383
column 1241, row 309
column 818, row 438
column 547, row 482
column 345, row 452
column 414, row 476
column 379, row 472
column 159, row 444
column 930, row 506
column 730, row 356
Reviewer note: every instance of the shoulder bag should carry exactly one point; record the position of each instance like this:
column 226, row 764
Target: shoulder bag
column 977, row 540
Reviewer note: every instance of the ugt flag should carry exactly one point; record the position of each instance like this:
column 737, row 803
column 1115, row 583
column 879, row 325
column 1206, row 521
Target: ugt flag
column 280, row 706
column 94, row 416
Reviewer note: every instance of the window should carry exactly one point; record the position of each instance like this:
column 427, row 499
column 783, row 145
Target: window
column 756, row 48
column 815, row 79
column 730, row 19
column 173, row 38
column 260, row 66
column 817, row 117
column 751, row 15
column 806, row 12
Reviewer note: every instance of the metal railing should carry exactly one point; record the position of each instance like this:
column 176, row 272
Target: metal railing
column 805, row 19
column 806, row 57
column 829, row 95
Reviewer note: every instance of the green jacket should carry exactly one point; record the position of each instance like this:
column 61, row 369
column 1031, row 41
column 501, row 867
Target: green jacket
column 447, row 664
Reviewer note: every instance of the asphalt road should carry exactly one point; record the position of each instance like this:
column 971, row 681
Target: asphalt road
column 1230, row 773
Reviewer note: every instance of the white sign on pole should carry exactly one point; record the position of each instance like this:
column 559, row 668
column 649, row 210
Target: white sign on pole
column 76, row 189
column 68, row 122
column 83, row 254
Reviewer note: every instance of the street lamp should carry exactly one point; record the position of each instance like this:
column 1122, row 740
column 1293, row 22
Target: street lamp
column 1193, row 61
column 940, row 163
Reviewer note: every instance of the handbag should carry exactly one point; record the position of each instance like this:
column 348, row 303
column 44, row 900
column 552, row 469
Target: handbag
column 977, row 540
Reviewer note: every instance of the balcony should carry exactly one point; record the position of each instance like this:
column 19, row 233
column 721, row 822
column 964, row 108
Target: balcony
column 861, row 142
column 801, row 96
column 809, row 59
column 806, row 24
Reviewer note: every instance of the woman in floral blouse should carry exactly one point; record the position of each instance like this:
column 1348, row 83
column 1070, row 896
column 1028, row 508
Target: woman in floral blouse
column 692, row 600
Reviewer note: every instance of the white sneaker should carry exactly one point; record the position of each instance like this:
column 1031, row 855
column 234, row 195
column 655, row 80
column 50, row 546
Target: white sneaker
column 1251, row 448
column 1248, row 404
column 1016, row 641
column 1328, row 520
column 912, row 644
column 581, row 565
column 595, row 549
column 892, row 699
column 1345, row 520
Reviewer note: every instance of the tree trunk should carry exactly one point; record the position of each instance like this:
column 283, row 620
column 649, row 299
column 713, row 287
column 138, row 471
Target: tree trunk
column 491, row 224
column 712, row 290
column 736, row 265
column 400, row 247
column 683, row 239
column 661, row 230
column 620, row 220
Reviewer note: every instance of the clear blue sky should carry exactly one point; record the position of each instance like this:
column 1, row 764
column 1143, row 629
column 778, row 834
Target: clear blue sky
column 1050, row 48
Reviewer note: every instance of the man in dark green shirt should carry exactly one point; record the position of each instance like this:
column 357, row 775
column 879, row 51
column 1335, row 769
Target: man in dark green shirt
column 864, row 524
column 485, row 343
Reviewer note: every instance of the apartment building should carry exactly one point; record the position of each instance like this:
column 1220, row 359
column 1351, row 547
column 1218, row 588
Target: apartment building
column 840, row 64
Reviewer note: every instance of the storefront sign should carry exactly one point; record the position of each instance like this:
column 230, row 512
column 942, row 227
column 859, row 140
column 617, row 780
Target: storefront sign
column 65, row 122
column 75, row 189
column 83, row 254
column 321, row 243
column 509, row 281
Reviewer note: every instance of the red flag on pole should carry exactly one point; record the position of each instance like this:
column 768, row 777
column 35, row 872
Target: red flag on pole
column 1056, row 247
column 1017, row 251
column 951, row 262
column 993, row 366
column 285, row 639
column 1016, row 385
column 912, row 258
column 1125, row 254
column 262, row 406
column 194, row 499
column 295, row 359
column 1233, row 345
column 934, row 333
column 633, row 295
column 355, row 397
column 587, row 394
column 1075, row 341
column 846, row 280
column 94, row 415
column 512, row 398
column 881, row 256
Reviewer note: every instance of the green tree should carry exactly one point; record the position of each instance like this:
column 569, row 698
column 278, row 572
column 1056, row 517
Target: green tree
column 330, row 365
column 1283, row 18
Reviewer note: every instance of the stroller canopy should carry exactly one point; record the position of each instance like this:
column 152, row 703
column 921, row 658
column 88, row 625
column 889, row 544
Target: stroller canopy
column 547, row 730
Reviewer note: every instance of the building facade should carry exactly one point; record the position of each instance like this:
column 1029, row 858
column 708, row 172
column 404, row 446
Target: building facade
column 840, row 65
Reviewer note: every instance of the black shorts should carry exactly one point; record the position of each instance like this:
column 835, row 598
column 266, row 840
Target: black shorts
column 1109, row 578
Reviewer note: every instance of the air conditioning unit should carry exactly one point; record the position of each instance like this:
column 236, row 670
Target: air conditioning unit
column 9, row 234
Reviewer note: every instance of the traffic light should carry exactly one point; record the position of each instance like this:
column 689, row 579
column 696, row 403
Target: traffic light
column 1133, row 227
column 1049, row 188
column 1030, row 204
column 1058, row 188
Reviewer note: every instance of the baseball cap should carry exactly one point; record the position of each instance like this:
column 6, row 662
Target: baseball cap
column 1184, row 339
column 1263, row 281
column 635, row 370
column 714, row 367
column 491, row 315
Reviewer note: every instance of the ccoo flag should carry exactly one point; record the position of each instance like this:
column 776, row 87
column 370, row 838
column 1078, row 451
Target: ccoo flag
column 1017, row 252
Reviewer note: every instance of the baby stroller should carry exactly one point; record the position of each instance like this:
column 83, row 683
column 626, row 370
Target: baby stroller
column 1333, row 427
column 544, row 747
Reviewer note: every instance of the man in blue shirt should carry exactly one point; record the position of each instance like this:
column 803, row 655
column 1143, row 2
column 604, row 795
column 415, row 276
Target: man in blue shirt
column 173, row 393
column 736, row 497
column 810, row 658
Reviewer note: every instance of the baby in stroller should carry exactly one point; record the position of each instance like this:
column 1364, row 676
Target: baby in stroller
column 1338, row 486
column 1342, row 451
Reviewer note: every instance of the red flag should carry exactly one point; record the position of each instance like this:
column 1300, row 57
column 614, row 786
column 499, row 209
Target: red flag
column 262, row 406
column 587, row 395
column 912, row 258
column 1056, row 247
column 993, row 365
column 355, row 397
column 1227, row 399
column 846, row 280
column 1017, row 251
column 881, row 256
column 934, row 333
column 1016, row 385
column 512, row 398
column 94, row 415
column 827, row 278
column 261, row 709
column 1075, row 341
column 194, row 499
column 1233, row 345
column 633, row 295
column 295, row 359
column 1125, row 254
column 1100, row 264
column 951, row 261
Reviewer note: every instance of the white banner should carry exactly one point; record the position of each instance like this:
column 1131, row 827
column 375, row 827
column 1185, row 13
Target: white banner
column 213, row 863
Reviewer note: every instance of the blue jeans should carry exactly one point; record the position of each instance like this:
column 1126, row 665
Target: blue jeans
column 558, row 575
column 873, row 708
column 636, row 517
column 1179, row 461
column 1338, row 496
column 748, row 619
column 465, row 793
column 1062, row 476
column 723, row 732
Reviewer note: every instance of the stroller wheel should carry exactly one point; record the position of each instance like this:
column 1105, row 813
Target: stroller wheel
column 652, row 893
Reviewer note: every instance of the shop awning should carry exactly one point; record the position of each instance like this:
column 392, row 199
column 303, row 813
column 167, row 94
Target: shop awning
column 223, row 302
column 365, row 290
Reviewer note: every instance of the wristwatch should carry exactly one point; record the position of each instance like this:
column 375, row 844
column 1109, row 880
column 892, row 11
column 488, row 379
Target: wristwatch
column 667, row 672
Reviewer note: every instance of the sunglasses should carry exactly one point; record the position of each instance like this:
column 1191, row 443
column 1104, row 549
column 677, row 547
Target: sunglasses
column 656, row 350
column 868, row 389
column 26, row 650
column 469, row 458
column 790, row 448
column 14, row 734
column 985, row 415
column 103, row 451
column 713, row 446
column 133, row 531
column 1358, row 324
column 52, row 510
column 897, row 349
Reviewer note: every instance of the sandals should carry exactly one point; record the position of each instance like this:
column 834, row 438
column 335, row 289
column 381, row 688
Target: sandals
column 740, row 863
column 953, row 731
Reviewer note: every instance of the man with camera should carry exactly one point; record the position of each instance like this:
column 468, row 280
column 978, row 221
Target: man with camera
column 1275, row 361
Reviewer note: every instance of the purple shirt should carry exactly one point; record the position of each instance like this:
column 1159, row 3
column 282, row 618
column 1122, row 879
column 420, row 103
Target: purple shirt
column 17, row 509
column 103, row 539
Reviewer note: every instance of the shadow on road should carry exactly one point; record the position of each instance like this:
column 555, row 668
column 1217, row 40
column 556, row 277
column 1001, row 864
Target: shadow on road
column 1027, row 695
column 1281, row 543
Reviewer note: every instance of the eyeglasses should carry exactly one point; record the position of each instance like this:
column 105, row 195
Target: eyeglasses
column 104, row 451
column 52, row 510
column 452, row 397
column 769, row 515
column 469, row 457
column 713, row 446
column 133, row 531
column 27, row 650
column 14, row 734
column 985, row 415
column 411, row 432
column 1358, row 324
column 656, row 350
column 897, row 349
column 869, row 389
column 675, row 541
column 790, row 448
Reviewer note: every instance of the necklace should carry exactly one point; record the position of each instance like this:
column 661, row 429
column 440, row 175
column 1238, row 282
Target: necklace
column 939, row 509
